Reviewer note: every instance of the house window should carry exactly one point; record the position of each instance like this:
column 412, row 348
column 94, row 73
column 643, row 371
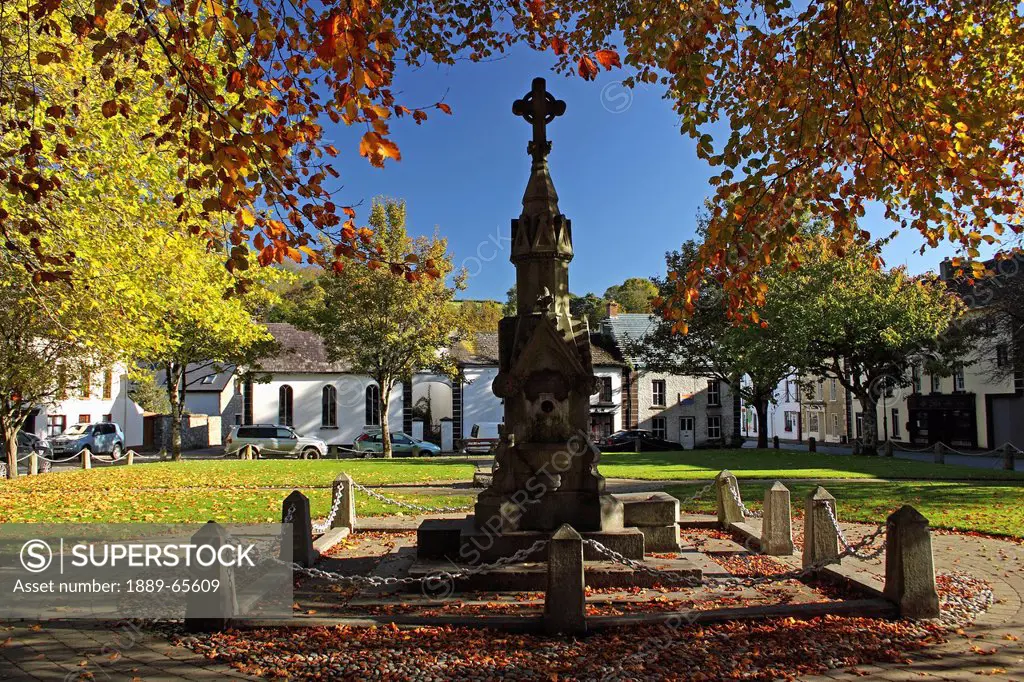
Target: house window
column 958, row 379
column 658, row 390
column 915, row 378
column 55, row 425
column 84, row 418
column 108, row 384
column 329, row 408
column 895, row 422
column 238, row 419
column 714, row 394
column 789, row 422
column 832, row 386
column 285, row 413
column 606, row 390
column 108, row 418
column 658, row 427
column 936, row 383
column 686, row 424
column 372, row 405
column 859, row 424
column 819, row 392
column 835, row 425
column 785, row 391
column 85, row 390
column 209, row 378
column 813, row 423
column 1002, row 355
column 714, row 427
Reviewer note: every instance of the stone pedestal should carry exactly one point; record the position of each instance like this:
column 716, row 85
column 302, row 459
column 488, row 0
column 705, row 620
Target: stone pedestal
column 565, row 600
column 656, row 515
column 909, row 565
column 777, row 524
column 821, row 542
column 295, row 510
column 206, row 611
column 346, row 516
column 728, row 510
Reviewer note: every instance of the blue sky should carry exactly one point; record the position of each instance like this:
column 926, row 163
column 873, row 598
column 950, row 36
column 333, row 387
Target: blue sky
column 626, row 177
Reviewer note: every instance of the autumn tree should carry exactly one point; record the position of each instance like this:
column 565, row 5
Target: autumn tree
column 868, row 326
column 913, row 104
column 385, row 325
column 763, row 351
column 511, row 305
column 634, row 295
column 480, row 316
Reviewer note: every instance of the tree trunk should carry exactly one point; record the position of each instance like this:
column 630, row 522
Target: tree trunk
column 869, row 401
column 762, row 423
column 10, row 431
column 175, row 375
column 385, row 432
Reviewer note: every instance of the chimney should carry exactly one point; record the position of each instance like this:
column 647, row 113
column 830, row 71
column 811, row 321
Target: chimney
column 946, row 270
column 613, row 309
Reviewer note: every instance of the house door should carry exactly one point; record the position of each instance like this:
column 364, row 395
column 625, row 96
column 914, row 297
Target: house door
column 686, row 432
column 600, row 425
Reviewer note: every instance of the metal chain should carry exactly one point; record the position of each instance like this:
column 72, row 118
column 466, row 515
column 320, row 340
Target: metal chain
column 326, row 525
column 407, row 505
column 868, row 539
column 739, row 503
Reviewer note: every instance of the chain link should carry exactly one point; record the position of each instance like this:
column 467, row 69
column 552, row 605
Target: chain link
column 407, row 505
column 739, row 503
column 326, row 525
column 854, row 549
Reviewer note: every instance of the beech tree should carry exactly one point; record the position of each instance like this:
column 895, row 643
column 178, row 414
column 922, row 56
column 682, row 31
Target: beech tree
column 719, row 347
column 386, row 325
column 914, row 104
column 868, row 326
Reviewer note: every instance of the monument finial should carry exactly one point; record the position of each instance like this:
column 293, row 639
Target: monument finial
column 538, row 107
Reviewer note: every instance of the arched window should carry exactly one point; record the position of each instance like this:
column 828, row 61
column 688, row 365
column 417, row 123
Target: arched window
column 285, row 414
column 329, row 407
column 372, row 405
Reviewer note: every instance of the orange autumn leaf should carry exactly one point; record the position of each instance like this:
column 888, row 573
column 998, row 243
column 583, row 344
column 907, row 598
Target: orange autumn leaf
column 608, row 58
column 587, row 68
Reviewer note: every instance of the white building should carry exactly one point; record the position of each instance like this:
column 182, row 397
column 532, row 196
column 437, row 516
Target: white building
column 102, row 396
column 691, row 411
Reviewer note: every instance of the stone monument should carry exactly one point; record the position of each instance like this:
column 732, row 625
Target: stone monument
column 545, row 467
column 545, row 471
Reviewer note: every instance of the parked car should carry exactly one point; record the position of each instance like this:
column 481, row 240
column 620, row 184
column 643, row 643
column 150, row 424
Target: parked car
column 99, row 438
column 28, row 443
column 372, row 442
column 625, row 441
column 483, row 437
column 273, row 439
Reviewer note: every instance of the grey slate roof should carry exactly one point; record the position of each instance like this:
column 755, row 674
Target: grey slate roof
column 300, row 351
column 202, row 377
column 484, row 351
column 625, row 328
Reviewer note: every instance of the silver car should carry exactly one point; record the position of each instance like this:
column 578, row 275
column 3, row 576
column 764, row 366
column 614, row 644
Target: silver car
column 273, row 439
column 100, row 438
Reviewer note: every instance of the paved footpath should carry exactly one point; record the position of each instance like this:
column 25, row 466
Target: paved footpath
column 990, row 649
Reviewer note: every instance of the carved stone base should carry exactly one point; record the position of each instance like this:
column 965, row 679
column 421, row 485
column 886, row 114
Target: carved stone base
column 584, row 511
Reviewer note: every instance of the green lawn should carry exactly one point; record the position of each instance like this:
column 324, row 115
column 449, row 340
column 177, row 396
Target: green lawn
column 221, row 490
column 982, row 507
column 705, row 464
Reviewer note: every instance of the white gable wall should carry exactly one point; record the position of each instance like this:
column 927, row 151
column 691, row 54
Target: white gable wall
column 307, row 394
column 123, row 410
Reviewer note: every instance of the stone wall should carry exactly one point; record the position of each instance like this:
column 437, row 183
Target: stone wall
column 197, row 431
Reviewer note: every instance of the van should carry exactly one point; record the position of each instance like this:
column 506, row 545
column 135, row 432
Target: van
column 483, row 437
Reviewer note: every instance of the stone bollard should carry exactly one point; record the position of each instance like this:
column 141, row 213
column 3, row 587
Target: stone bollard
column 812, row 444
column 856, row 446
column 1009, row 457
column 821, row 541
column 777, row 522
column 33, row 464
column 775, row 442
column 346, row 516
column 129, row 458
column 909, row 565
column 86, row 459
column 728, row 510
column 565, row 601
column 302, row 528
column 637, row 445
column 206, row 611
column 888, row 449
column 940, row 453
